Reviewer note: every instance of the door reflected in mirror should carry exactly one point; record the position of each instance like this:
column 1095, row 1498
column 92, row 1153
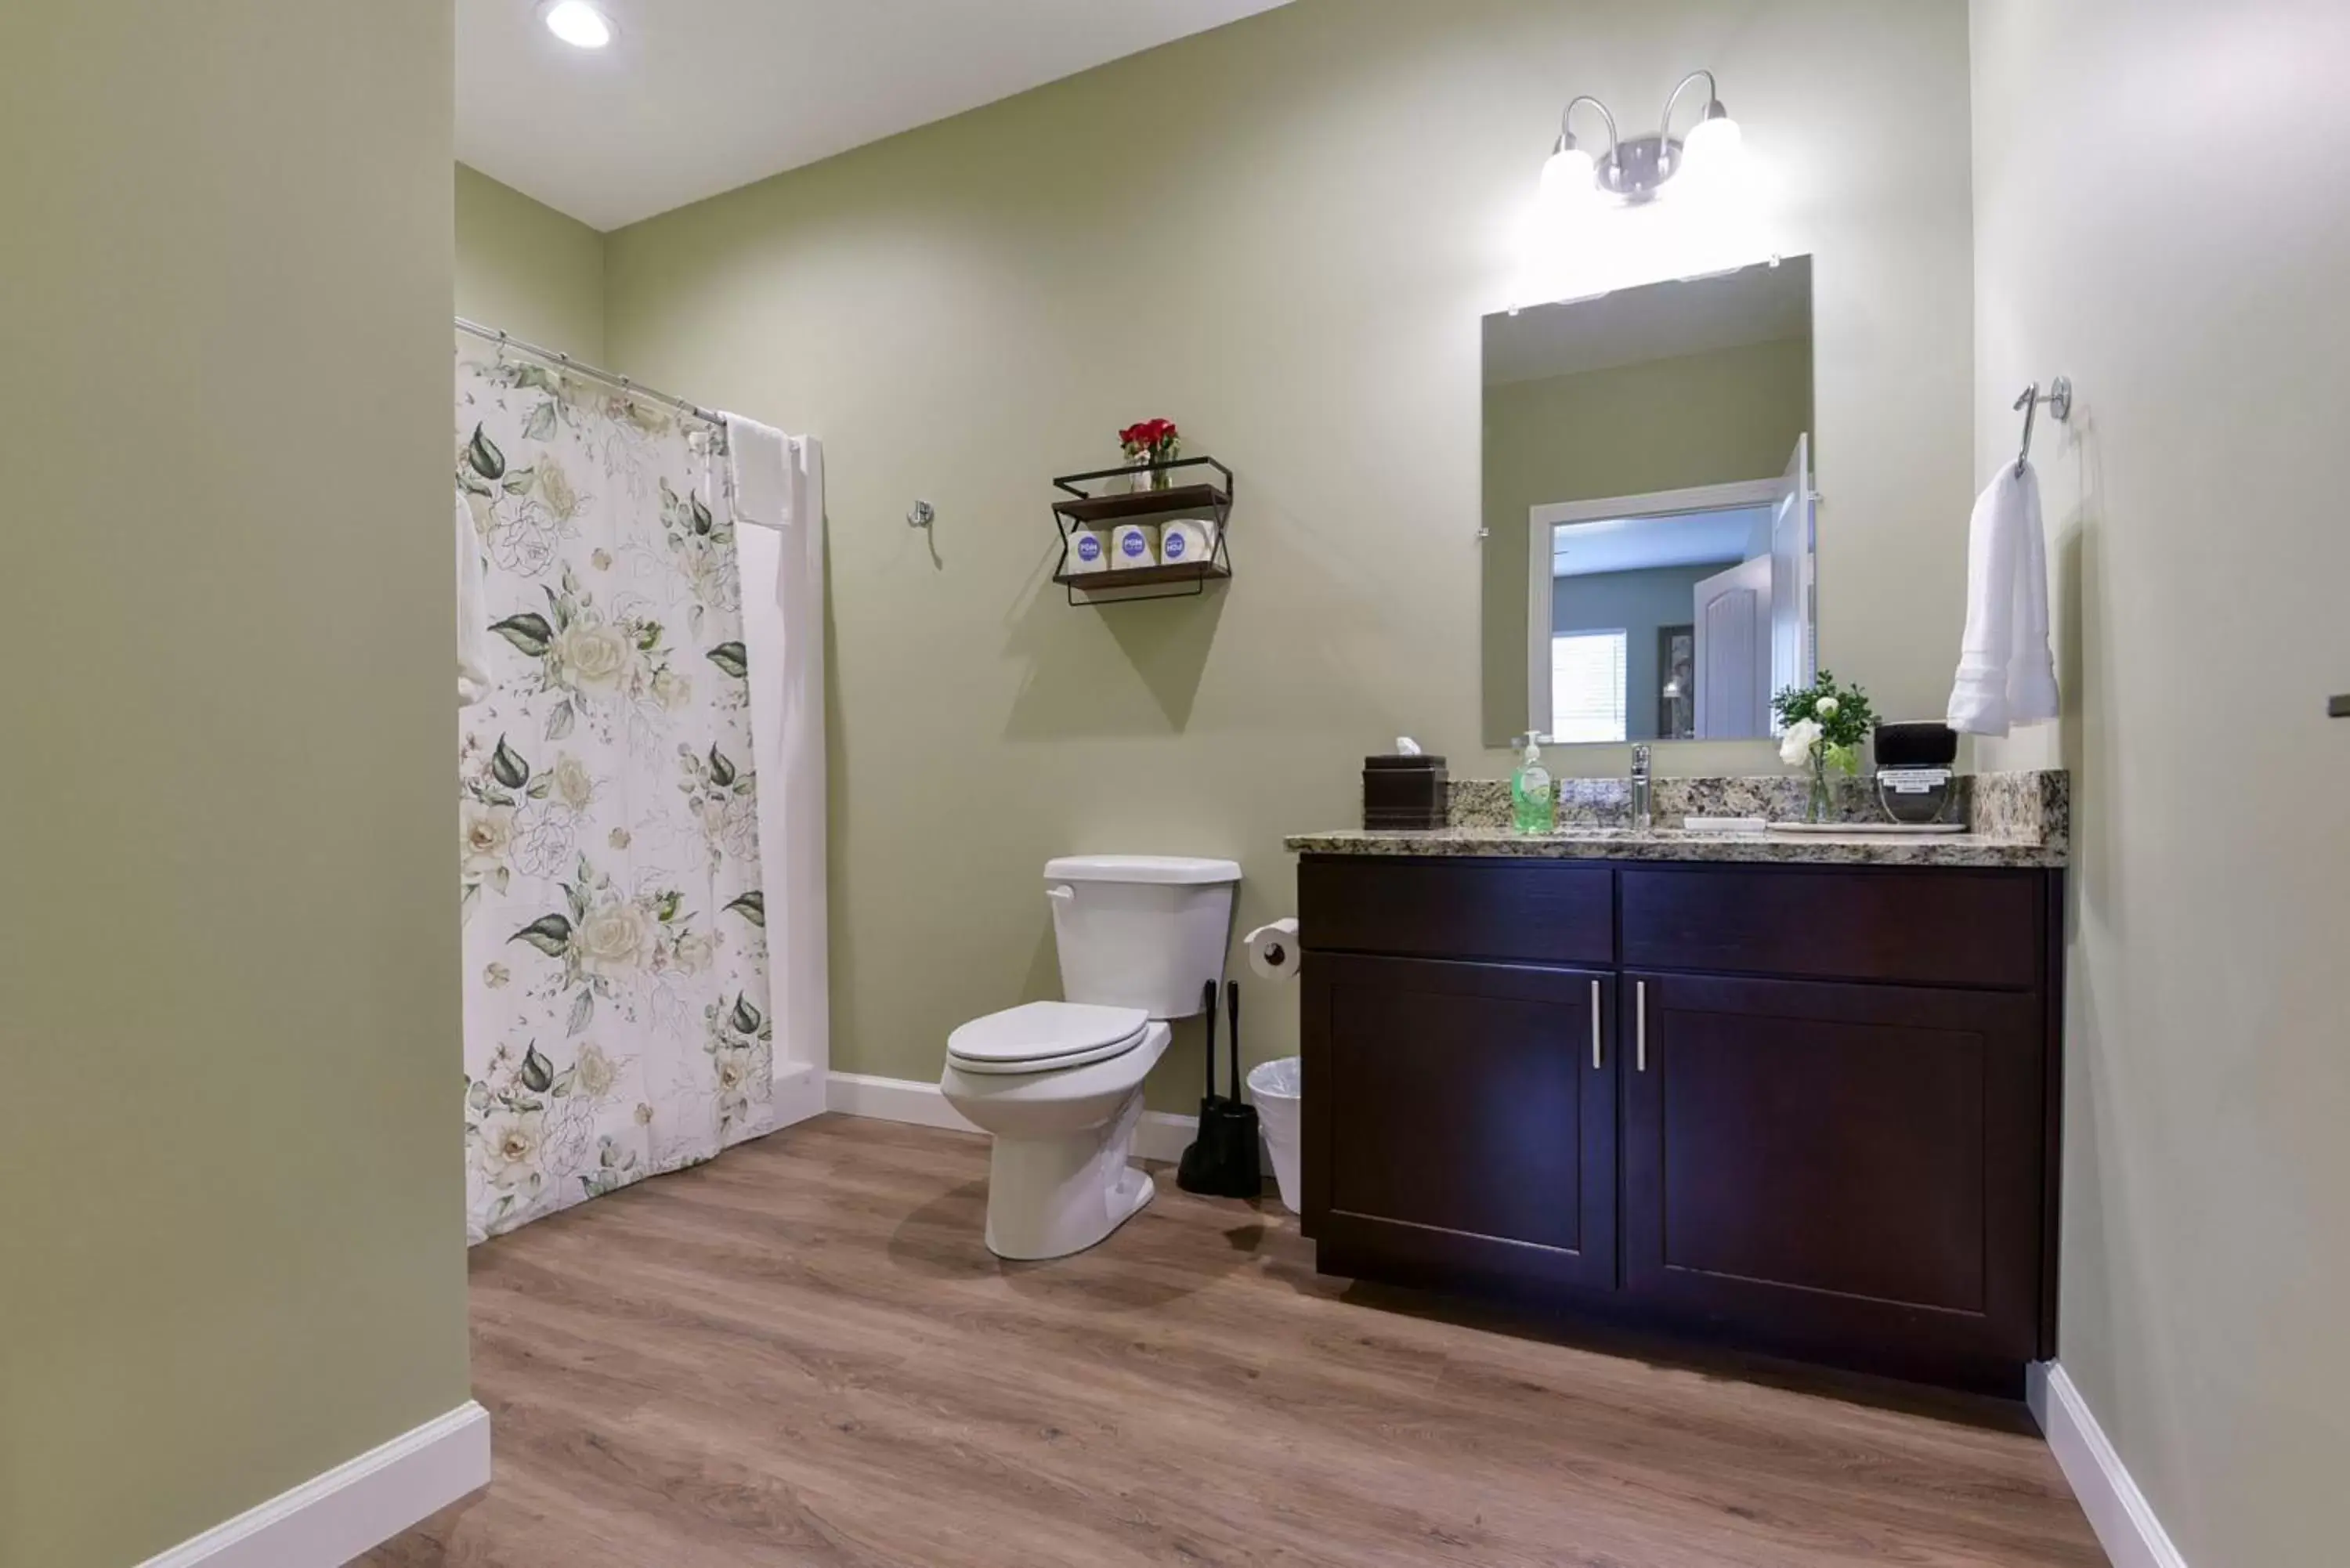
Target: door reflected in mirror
column 1647, row 474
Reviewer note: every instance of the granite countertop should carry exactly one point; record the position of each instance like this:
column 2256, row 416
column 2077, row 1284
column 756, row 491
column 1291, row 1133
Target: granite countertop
column 1675, row 844
column 2014, row 819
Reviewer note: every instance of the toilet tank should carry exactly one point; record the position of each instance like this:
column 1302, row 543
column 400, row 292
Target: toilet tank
column 1141, row 930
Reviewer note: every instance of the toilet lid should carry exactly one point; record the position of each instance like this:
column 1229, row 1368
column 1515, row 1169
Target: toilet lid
column 1046, row 1034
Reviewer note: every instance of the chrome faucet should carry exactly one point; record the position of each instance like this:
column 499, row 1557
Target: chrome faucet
column 1643, row 800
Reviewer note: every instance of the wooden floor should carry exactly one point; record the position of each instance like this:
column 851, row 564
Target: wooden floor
column 801, row 1353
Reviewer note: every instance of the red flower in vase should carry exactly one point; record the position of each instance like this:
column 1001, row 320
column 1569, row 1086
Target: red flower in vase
column 1154, row 440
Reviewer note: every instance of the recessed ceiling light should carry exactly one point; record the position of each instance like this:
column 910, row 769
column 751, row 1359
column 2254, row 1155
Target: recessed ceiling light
column 578, row 23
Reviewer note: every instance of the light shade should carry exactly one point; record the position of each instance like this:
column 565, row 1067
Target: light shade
column 1712, row 152
column 1569, row 177
column 578, row 23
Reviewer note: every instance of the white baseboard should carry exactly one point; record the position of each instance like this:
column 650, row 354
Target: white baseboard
column 799, row 1093
column 1163, row 1135
column 354, row 1507
column 2124, row 1521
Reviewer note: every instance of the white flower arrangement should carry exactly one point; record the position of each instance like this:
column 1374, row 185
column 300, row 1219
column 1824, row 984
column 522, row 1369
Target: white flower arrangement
column 1824, row 726
column 1795, row 745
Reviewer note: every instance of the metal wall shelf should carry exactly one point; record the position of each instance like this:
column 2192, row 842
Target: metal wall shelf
column 1205, row 500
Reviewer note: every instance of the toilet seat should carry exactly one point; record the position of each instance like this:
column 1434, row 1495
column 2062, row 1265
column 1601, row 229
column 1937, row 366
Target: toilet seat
column 1045, row 1037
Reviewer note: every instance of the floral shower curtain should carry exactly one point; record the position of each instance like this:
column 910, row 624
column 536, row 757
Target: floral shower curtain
column 617, row 1020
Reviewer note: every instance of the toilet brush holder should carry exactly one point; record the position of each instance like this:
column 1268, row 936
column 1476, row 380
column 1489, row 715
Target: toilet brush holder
column 1226, row 1153
column 1222, row 1159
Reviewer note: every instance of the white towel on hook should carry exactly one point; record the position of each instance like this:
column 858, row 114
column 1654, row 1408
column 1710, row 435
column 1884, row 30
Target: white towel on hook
column 473, row 682
column 759, row 472
column 2007, row 675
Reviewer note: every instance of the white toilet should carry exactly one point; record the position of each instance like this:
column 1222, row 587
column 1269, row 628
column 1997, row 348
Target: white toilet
column 1059, row 1083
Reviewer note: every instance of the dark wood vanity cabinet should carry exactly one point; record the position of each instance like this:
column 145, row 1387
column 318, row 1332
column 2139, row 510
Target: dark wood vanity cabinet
column 1803, row 1109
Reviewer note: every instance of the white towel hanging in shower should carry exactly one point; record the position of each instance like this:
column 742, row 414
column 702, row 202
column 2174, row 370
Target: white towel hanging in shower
column 778, row 482
column 759, row 472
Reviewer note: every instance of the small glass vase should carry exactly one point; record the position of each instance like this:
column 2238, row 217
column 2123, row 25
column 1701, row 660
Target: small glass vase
column 1820, row 806
column 1158, row 477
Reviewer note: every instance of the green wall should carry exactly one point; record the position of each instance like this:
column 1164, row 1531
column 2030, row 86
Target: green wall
column 527, row 269
column 2197, row 559
column 1297, row 272
column 1633, row 429
column 232, row 1255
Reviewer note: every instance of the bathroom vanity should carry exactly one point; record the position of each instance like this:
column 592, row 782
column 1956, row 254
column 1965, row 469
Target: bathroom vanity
column 1799, row 1096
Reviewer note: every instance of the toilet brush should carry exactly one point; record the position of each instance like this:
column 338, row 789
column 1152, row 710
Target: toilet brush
column 1223, row 1162
column 1191, row 1171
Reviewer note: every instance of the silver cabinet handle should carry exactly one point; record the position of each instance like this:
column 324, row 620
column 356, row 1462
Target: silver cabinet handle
column 1640, row 1025
column 1594, row 1026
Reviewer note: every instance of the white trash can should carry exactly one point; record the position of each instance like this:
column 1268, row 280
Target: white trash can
column 1273, row 1086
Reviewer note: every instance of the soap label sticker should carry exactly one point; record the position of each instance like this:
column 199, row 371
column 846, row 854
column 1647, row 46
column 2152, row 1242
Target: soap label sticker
column 1090, row 550
column 1913, row 781
column 1174, row 547
column 1132, row 546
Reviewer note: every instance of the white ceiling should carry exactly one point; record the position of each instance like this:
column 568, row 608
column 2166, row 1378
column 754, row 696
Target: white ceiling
column 696, row 97
column 1760, row 304
column 1640, row 544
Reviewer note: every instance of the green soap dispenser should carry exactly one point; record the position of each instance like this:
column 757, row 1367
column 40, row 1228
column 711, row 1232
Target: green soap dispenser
column 1533, row 804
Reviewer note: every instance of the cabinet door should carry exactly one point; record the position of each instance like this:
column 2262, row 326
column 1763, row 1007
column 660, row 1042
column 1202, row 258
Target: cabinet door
column 1846, row 1166
column 1456, row 1119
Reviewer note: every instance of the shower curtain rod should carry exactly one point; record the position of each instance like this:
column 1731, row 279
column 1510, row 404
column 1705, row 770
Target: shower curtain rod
column 555, row 356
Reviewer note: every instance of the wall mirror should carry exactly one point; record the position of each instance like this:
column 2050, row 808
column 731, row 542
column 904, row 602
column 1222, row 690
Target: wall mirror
column 1651, row 543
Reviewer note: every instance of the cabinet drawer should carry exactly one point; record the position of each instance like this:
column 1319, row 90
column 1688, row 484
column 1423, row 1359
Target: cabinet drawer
column 1524, row 911
column 1914, row 924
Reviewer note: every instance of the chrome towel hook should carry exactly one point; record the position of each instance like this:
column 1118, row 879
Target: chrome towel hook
column 2059, row 398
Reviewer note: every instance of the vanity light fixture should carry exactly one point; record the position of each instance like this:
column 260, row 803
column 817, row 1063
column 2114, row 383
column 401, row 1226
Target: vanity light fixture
column 1636, row 170
column 578, row 23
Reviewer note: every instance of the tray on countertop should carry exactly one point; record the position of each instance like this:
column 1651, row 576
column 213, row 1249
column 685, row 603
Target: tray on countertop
column 1870, row 829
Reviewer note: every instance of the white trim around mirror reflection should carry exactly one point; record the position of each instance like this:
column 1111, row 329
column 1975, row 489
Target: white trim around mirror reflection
column 1542, row 522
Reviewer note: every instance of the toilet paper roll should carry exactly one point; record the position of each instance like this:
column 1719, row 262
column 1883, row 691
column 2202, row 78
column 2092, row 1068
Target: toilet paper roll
column 1090, row 550
column 1273, row 951
column 1134, row 544
column 1185, row 542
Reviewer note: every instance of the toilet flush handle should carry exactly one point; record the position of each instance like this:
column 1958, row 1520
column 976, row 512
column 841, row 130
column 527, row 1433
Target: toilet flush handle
column 1061, row 893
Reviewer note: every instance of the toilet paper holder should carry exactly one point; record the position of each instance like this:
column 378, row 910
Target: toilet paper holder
column 1274, row 952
